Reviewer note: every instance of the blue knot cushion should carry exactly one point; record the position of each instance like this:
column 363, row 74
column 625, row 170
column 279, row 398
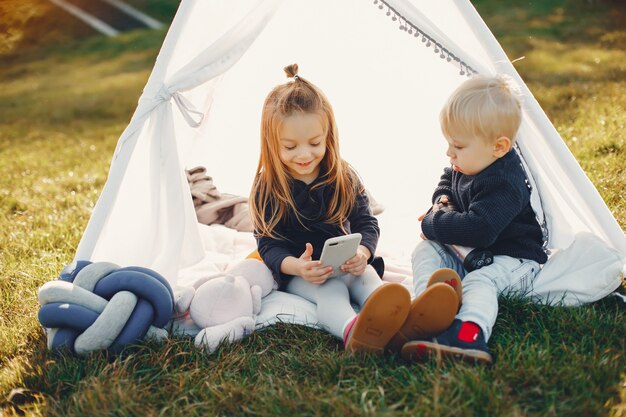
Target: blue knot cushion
column 102, row 306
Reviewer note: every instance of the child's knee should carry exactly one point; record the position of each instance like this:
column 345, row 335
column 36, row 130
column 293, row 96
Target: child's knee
column 478, row 279
column 425, row 249
column 332, row 286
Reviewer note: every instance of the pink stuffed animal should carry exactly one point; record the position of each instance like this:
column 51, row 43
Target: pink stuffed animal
column 225, row 305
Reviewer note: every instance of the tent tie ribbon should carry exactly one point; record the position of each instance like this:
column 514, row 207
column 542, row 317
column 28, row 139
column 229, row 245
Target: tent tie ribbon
column 186, row 107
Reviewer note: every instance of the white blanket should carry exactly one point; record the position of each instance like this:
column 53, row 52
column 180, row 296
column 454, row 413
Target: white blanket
column 586, row 271
column 224, row 247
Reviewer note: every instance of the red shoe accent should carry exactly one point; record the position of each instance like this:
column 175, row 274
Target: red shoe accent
column 468, row 332
column 451, row 283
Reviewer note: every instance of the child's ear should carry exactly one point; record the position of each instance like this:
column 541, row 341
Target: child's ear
column 502, row 146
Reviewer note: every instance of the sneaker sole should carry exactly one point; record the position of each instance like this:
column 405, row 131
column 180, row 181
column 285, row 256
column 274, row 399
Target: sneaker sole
column 382, row 315
column 450, row 277
column 418, row 351
column 430, row 314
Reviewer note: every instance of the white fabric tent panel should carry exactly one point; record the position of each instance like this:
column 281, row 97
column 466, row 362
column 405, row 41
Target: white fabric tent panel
column 386, row 88
column 444, row 21
column 141, row 223
column 195, row 35
column 124, row 221
column 387, row 114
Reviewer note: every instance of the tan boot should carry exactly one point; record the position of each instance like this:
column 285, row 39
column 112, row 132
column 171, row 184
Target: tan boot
column 450, row 277
column 381, row 316
column 431, row 313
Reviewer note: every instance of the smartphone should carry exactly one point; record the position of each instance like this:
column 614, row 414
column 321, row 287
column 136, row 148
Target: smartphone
column 337, row 250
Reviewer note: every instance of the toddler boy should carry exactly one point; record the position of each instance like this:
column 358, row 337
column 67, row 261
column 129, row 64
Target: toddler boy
column 482, row 201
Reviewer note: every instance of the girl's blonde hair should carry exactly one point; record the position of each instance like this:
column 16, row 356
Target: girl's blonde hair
column 483, row 107
column 271, row 186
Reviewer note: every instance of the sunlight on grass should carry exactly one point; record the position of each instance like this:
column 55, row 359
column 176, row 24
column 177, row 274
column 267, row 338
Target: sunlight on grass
column 62, row 110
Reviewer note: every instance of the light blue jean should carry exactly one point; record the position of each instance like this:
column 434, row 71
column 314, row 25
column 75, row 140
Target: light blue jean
column 334, row 309
column 481, row 287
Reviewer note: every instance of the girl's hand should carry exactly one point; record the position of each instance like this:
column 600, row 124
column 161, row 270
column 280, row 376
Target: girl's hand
column 311, row 270
column 357, row 264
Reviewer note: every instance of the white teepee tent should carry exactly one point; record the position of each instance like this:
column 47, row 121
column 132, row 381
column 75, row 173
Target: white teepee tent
column 387, row 67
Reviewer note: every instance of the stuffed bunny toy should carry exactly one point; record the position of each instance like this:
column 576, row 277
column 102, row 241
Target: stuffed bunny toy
column 225, row 305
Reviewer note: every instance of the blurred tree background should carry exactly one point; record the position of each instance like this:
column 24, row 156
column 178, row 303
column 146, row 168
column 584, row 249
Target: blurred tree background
column 39, row 23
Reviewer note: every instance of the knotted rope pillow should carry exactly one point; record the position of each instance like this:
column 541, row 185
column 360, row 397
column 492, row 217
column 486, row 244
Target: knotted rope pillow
column 97, row 306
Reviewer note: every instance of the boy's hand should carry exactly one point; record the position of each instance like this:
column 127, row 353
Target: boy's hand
column 443, row 201
column 311, row 270
column 357, row 264
column 443, row 204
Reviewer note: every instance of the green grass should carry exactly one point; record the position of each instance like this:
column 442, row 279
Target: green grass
column 62, row 109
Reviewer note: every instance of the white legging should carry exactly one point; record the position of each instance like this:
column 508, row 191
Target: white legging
column 481, row 287
column 333, row 297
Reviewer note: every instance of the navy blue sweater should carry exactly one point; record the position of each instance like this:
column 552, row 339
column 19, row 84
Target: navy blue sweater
column 312, row 204
column 491, row 211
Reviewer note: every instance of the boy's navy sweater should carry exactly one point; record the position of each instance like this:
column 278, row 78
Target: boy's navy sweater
column 491, row 211
column 312, row 204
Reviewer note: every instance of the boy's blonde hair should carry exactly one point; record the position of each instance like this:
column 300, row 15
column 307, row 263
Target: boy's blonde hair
column 271, row 187
column 483, row 107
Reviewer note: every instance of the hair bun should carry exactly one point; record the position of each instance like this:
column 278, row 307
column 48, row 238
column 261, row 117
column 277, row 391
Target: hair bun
column 291, row 70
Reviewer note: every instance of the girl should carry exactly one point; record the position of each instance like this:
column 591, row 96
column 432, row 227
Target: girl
column 304, row 193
